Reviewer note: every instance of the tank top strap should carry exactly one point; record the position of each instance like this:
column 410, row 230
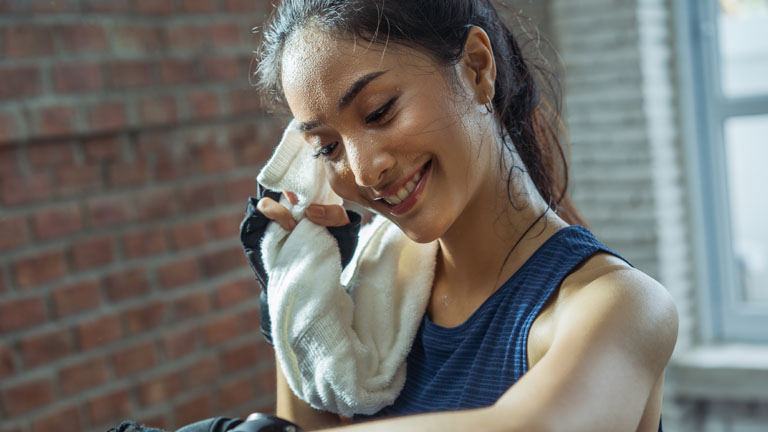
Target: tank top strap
column 546, row 269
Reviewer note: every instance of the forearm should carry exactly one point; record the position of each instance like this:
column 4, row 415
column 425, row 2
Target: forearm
column 485, row 419
column 297, row 411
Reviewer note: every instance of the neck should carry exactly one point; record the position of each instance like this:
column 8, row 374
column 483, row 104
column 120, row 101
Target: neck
column 492, row 239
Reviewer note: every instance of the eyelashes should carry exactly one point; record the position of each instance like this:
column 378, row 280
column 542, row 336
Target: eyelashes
column 374, row 117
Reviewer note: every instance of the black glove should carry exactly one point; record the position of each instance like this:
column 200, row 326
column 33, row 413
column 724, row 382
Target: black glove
column 262, row 423
column 252, row 232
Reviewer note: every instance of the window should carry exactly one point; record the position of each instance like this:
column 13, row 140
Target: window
column 728, row 107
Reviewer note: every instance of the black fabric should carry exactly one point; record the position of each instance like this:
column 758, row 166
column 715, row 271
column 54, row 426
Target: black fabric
column 262, row 423
column 252, row 231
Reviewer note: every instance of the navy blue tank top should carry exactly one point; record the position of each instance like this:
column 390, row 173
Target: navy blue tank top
column 472, row 365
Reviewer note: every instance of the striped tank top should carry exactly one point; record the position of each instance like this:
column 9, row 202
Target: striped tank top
column 472, row 365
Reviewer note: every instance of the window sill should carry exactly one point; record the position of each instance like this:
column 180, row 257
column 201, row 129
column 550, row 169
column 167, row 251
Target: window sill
column 730, row 372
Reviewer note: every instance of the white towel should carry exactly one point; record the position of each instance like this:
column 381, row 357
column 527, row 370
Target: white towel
column 341, row 342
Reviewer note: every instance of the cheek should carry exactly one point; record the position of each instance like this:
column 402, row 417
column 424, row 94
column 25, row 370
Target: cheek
column 342, row 181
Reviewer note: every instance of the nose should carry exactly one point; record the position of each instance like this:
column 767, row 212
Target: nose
column 370, row 162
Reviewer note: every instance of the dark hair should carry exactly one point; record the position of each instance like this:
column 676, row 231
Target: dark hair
column 439, row 28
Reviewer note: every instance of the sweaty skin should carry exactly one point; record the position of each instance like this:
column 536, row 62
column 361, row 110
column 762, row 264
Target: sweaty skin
column 597, row 351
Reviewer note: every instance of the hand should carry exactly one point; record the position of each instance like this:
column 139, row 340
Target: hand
column 324, row 215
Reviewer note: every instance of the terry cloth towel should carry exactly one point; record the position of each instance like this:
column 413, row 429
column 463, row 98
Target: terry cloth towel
column 341, row 340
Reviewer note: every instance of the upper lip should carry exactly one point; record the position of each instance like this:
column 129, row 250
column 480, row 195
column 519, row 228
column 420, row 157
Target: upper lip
column 391, row 190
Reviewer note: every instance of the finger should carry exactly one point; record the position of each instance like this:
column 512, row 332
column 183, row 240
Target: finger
column 292, row 198
column 327, row 215
column 277, row 212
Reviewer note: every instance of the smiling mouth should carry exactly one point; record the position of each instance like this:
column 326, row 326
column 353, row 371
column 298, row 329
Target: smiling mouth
column 405, row 196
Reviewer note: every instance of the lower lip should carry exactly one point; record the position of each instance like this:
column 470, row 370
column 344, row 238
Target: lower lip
column 409, row 202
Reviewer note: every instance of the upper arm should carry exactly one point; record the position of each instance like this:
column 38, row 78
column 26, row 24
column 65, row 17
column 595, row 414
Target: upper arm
column 611, row 346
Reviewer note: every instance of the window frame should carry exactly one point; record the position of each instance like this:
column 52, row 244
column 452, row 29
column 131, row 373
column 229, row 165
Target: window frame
column 723, row 313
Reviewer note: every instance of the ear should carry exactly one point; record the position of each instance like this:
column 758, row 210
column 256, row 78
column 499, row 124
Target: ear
column 479, row 65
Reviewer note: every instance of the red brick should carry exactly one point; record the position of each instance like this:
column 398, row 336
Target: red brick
column 199, row 6
column 55, row 222
column 48, row 6
column 38, row 269
column 105, row 6
column 222, row 261
column 188, row 37
column 266, row 382
column 192, row 410
column 156, row 205
column 108, row 212
column 42, row 155
column 191, row 306
column 77, row 77
column 187, row 235
column 169, row 168
column 222, row 329
column 26, row 396
column 10, row 130
column 76, row 298
column 159, row 389
column 115, row 405
column 107, row 116
column 19, row 82
column 234, row 292
column 99, row 331
column 154, row 7
column 201, row 373
column 250, row 319
column 46, row 347
column 214, row 159
column 103, row 149
column 131, row 39
column 61, row 420
column 7, row 366
column 82, row 376
column 236, row 393
column 134, row 359
column 144, row 243
column 157, row 421
column 179, row 72
column 128, row 174
column 73, row 180
column 131, row 74
column 56, row 121
column 13, row 232
column 22, row 190
column 201, row 196
column 28, row 41
column 224, row 68
column 22, row 313
column 225, row 34
column 244, row 101
column 9, row 159
column 81, row 38
column 203, row 104
column 180, row 343
column 126, row 284
column 239, row 189
column 226, row 225
column 93, row 252
column 158, row 110
column 144, row 318
column 178, row 273
column 243, row 6
column 243, row 356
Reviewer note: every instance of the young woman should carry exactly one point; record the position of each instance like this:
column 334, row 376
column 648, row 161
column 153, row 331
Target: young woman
column 426, row 113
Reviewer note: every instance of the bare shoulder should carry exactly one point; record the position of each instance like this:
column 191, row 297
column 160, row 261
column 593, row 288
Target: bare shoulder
column 605, row 298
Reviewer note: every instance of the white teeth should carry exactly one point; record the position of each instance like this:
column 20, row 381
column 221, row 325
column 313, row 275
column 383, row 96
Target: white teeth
column 403, row 193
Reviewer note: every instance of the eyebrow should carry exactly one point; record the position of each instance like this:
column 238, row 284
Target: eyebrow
column 345, row 98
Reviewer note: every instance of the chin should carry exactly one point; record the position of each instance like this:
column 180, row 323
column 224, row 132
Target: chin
column 424, row 235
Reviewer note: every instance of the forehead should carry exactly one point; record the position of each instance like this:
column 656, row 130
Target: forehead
column 318, row 67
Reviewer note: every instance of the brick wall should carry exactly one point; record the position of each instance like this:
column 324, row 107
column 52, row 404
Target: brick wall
column 129, row 141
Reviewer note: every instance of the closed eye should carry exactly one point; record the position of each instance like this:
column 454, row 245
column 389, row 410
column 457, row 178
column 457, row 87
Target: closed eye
column 380, row 112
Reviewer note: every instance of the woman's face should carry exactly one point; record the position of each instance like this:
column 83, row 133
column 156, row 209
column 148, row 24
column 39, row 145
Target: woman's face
column 396, row 133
